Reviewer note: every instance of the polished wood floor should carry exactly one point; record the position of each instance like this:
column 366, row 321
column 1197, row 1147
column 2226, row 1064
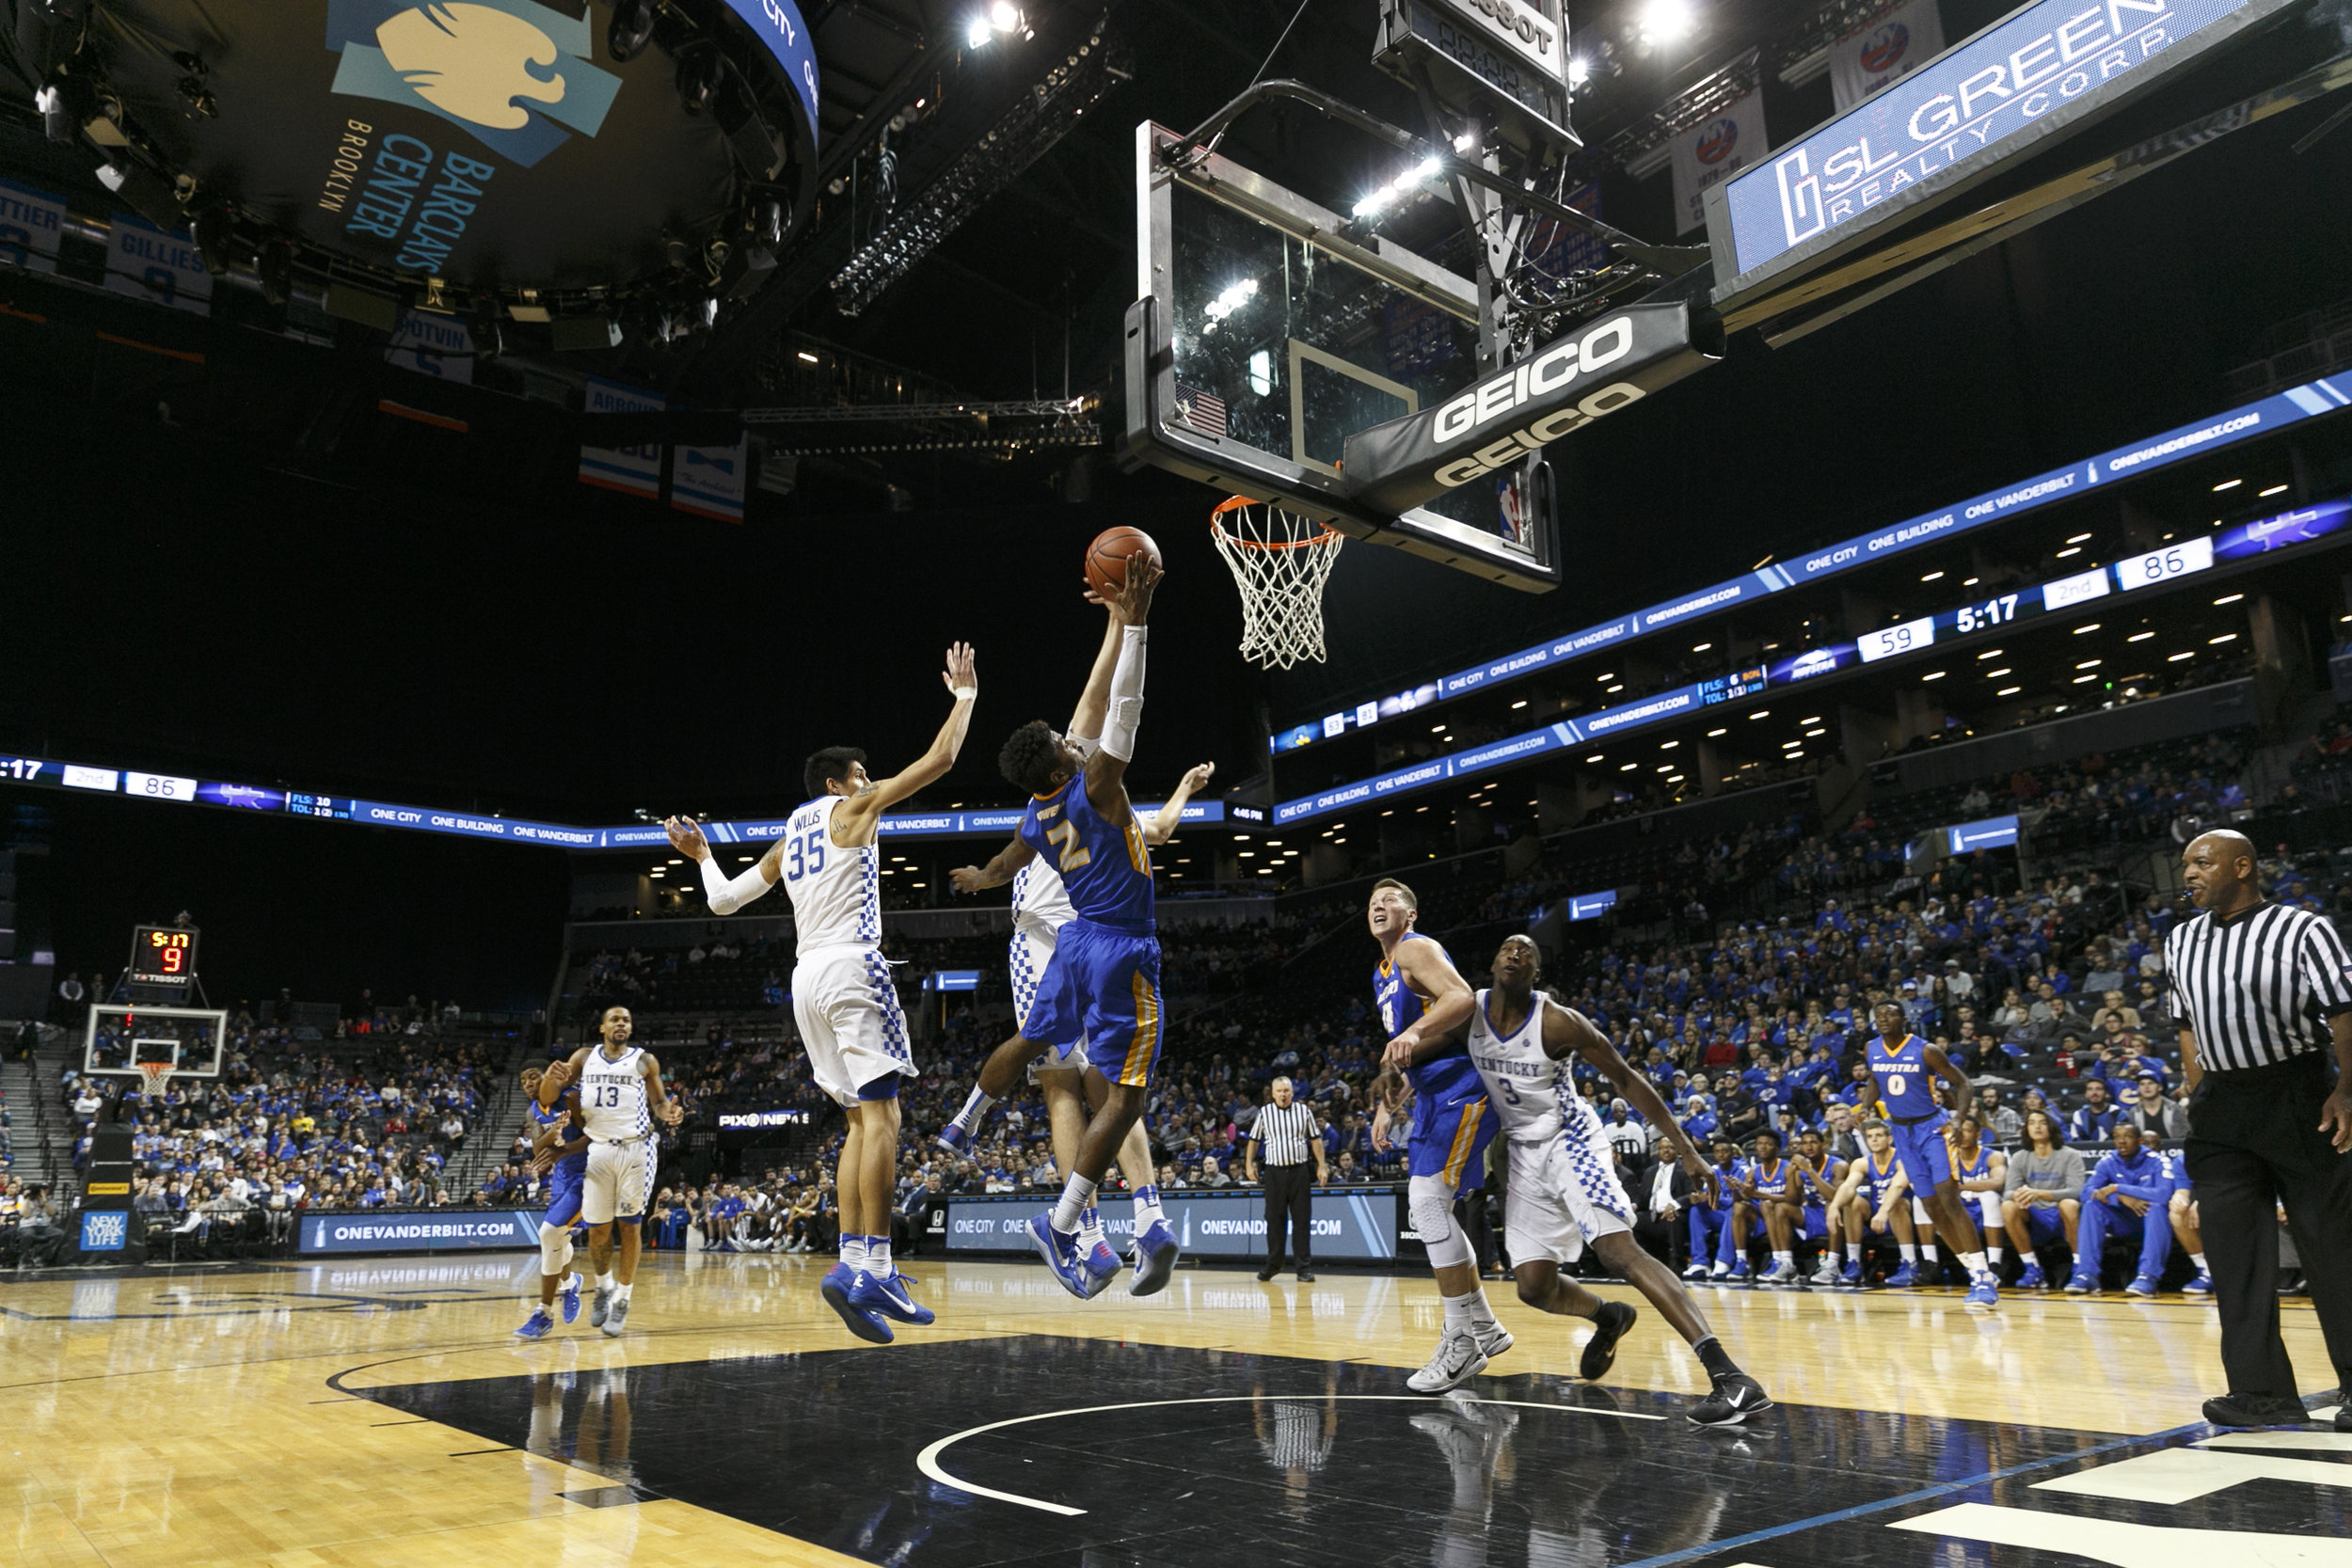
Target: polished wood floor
column 224, row 1415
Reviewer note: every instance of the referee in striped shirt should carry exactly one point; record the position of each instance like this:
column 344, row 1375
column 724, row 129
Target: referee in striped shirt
column 1287, row 1132
column 2264, row 994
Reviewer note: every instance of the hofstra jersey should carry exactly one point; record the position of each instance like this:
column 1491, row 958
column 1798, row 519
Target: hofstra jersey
column 1104, row 868
column 542, row 1118
column 1442, row 1077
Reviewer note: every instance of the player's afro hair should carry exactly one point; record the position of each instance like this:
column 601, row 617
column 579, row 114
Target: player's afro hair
column 1030, row 758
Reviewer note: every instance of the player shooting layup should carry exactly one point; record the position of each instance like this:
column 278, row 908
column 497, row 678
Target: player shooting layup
column 1564, row 1192
column 1073, row 1089
column 620, row 1094
column 843, row 998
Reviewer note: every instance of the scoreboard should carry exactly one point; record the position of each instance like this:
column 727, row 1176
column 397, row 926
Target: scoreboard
column 164, row 958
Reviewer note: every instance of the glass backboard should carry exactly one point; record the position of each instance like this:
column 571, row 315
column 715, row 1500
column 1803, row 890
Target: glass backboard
column 118, row 1038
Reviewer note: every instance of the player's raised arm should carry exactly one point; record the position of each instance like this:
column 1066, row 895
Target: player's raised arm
column 1106, row 769
column 855, row 819
column 1094, row 700
column 1163, row 824
column 723, row 895
column 997, row 873
column 1430, row 973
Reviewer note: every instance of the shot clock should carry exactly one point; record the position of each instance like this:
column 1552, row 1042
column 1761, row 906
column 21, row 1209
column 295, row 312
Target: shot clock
column 163, row 958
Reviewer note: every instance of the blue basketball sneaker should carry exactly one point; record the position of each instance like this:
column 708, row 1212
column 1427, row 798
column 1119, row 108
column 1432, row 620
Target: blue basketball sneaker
column 2081, row 1285
column 537, row 1326
column 2031, row 1279
column 1907, row 1275
column 568, row 1294
column 1154, row 1258
column 2142, row 1285
column 955, row 1139
column 837, row 1288
column 1851, row 1275
column 1984, row 1292
column 1082, row 1278
column 888, row 1297
column 2201, row 1286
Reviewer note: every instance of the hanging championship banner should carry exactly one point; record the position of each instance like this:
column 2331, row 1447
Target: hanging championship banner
column 708, row 481
column 1878, row 55
column 634, row 469
column 30, row 224
column 432, row 344
column 146, row 263
column 1713, row 151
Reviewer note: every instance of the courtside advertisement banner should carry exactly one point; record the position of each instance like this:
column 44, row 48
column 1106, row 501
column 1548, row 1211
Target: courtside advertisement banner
column 427, row 1230
column 1222, row 1225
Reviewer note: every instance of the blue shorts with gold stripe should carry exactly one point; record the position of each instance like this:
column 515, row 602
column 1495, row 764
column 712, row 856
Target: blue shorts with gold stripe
column 1104, row 984
column 1448, row 1135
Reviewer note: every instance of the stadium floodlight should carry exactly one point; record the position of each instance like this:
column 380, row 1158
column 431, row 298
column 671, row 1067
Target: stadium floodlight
column 1379, row 201
column 977, row 35
column 1579, row 71
column 1664, row 22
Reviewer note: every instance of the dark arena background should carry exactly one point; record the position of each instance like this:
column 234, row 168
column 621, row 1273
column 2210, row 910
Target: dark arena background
column 1818, row 535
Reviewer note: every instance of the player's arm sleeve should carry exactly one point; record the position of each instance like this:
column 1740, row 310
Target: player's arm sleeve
column 1125, row 713
column 727, row 895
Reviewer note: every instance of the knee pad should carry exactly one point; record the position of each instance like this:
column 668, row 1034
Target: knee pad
column 1431, row 1203
column 555, row 1249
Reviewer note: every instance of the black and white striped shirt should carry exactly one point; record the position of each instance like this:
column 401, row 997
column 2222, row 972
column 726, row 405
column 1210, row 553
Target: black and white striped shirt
column 1282, row 1131
column 2260, row 989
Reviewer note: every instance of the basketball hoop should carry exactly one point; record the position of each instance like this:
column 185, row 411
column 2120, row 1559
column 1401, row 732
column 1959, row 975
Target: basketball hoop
column 1280, row 561
column 153, row 1077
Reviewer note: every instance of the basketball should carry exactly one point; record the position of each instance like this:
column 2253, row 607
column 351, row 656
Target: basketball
column 1107, row 558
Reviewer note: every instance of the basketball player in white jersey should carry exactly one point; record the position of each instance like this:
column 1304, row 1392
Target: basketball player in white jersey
column 1072, row 1089
column 620, row 1094
column 1563, row 1194
column 843, row 998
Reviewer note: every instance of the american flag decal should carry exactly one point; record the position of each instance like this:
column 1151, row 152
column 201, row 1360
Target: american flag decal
column 1203, row 411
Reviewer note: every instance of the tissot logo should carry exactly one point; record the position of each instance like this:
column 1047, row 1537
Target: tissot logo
column 1529, row 26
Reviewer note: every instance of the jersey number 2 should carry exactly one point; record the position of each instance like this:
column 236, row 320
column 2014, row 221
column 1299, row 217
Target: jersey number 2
column 1065, row 834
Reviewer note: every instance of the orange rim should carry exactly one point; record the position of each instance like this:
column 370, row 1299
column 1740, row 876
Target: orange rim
column 1329, row 536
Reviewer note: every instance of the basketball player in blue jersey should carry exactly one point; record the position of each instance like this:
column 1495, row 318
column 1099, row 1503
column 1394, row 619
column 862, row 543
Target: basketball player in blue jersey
column 1903, row 1063
column 1871, row 1199
column 1805, row 1213
column 559, row 1153
column 1422, row 997
column 1102, row 983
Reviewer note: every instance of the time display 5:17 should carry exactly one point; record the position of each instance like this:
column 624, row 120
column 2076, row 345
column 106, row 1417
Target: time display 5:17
column 23, row 770
column 1981, row 616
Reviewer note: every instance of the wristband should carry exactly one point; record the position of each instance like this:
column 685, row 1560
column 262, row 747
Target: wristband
column 965, row 693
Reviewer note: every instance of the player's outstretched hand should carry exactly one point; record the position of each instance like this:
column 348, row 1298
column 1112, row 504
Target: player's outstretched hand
column 966, row 878
column 1197, row 776
column 1703, row 1176
column 672, row 1114
column 1131, row 604
column 960, row 675
column 685, row 837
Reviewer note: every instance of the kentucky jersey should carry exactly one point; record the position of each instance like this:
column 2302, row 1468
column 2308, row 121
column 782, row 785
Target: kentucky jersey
column 1041, row 905
column 612, row 1096
column 835, row 892
column 1105, row 867
column 1530, row 1090
column 1401, row 1007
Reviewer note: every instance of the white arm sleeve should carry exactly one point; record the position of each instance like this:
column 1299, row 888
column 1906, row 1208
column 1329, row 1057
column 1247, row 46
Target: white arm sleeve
column 725, row 896
column 1126, row 704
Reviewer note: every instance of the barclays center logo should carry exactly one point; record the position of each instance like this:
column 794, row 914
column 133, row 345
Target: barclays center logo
column 514, row 75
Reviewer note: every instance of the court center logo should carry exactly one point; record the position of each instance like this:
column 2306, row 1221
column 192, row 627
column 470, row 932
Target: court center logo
column 1716, row 142
column 514, row 75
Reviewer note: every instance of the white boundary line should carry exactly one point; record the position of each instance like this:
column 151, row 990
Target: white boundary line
column 928, row 1461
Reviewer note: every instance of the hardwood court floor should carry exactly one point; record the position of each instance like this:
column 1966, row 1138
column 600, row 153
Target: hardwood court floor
column 379, row 1412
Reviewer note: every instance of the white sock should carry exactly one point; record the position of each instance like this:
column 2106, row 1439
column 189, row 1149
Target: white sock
column 1468, row 1311
column 1992, row 1250
column 1076, row 1193
column 1787, row 1258
column 1148, row 1209
column 2199, row 1259
column 974, row 1107
column 878, row 1256
column 853, row 1251
column 1091, row 1228
column 620, row 1293
column 604, row 1282
column 1974, row 1263
column 1853, row 1252
column 1910, row 1251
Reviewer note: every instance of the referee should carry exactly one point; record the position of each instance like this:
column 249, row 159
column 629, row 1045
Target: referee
column 1289, row 1133
column 2263, row 993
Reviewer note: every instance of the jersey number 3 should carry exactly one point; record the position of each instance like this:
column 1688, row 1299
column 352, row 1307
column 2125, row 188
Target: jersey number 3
column 1065, row 834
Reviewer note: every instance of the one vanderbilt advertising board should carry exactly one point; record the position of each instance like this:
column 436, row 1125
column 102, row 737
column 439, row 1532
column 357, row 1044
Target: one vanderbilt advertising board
column 1600, row 367
column 2047, row 68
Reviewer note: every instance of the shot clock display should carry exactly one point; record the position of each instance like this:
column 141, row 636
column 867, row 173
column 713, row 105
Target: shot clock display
column 164, row 957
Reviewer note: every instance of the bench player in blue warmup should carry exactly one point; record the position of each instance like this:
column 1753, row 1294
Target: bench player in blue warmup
column 558, row 1153
column 1903, row 1063
column 1421, row 996
column 1103, row 982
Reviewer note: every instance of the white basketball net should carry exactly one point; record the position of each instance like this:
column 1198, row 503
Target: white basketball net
column 1280, row 561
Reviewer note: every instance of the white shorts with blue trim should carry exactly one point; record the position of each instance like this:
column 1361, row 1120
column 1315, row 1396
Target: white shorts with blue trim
column 1032, row 949
column 846, row 1008
column 1564, row 1194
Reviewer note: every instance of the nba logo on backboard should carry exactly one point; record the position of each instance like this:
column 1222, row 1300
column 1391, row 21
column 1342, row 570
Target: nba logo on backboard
column 1886, row 48
column 1511, row 497
column 1716, row 142
column 104, row 1229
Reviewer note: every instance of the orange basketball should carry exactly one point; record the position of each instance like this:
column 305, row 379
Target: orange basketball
column 1107, row 558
